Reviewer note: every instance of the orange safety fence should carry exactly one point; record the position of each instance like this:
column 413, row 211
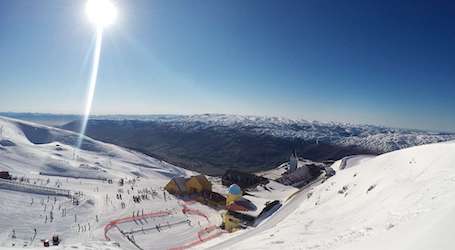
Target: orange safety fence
column 114, row 223
column 202, row 236
column 187, row 210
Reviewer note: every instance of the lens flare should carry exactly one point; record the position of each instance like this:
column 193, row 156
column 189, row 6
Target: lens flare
column 92, row 83
column 101, row 13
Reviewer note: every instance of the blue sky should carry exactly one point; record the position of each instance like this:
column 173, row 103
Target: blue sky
column 378, row 62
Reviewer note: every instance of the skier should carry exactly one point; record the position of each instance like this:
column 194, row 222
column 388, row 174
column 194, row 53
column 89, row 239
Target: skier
column 34, row 234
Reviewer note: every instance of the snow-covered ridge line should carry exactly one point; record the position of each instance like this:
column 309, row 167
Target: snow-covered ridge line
column 377, row 138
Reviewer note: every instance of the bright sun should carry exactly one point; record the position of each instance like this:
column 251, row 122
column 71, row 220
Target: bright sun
column 101, row 12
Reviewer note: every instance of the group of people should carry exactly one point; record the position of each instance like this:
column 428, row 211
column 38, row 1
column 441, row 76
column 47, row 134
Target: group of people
column 83, row 227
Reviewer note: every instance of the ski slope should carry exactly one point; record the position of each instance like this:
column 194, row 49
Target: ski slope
column 351, row 161
column 63, row 190
column 400, row 200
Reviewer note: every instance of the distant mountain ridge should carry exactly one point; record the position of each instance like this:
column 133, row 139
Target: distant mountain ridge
column 42, row 118
column 212, row 143
column 375, row 138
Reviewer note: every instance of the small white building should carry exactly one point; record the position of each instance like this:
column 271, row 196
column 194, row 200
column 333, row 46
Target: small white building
column 293, row 162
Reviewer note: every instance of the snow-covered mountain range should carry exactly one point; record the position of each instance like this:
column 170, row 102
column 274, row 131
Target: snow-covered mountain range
column 212, row 143
column 375, row 138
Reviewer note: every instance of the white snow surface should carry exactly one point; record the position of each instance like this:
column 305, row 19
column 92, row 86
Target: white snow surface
column 47, row 162
column 376, row 138
column 350, row 161
column 403, row 200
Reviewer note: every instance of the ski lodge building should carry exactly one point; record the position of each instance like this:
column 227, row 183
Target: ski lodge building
column 176, row 186
column 185, row 186
column 198, row 188
column 198, row 184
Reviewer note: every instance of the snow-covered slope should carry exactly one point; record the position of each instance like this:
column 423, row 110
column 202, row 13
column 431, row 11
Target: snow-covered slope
column 31, row 148
column 375, row 138
column 403, row 200
column 351, row 161
column 48, row 168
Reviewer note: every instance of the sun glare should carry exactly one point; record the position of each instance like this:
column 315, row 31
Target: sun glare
column 101, row 12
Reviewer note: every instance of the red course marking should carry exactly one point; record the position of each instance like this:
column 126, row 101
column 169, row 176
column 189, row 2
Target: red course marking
column 114, row 223
column 205, row 231
column 186, row 210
